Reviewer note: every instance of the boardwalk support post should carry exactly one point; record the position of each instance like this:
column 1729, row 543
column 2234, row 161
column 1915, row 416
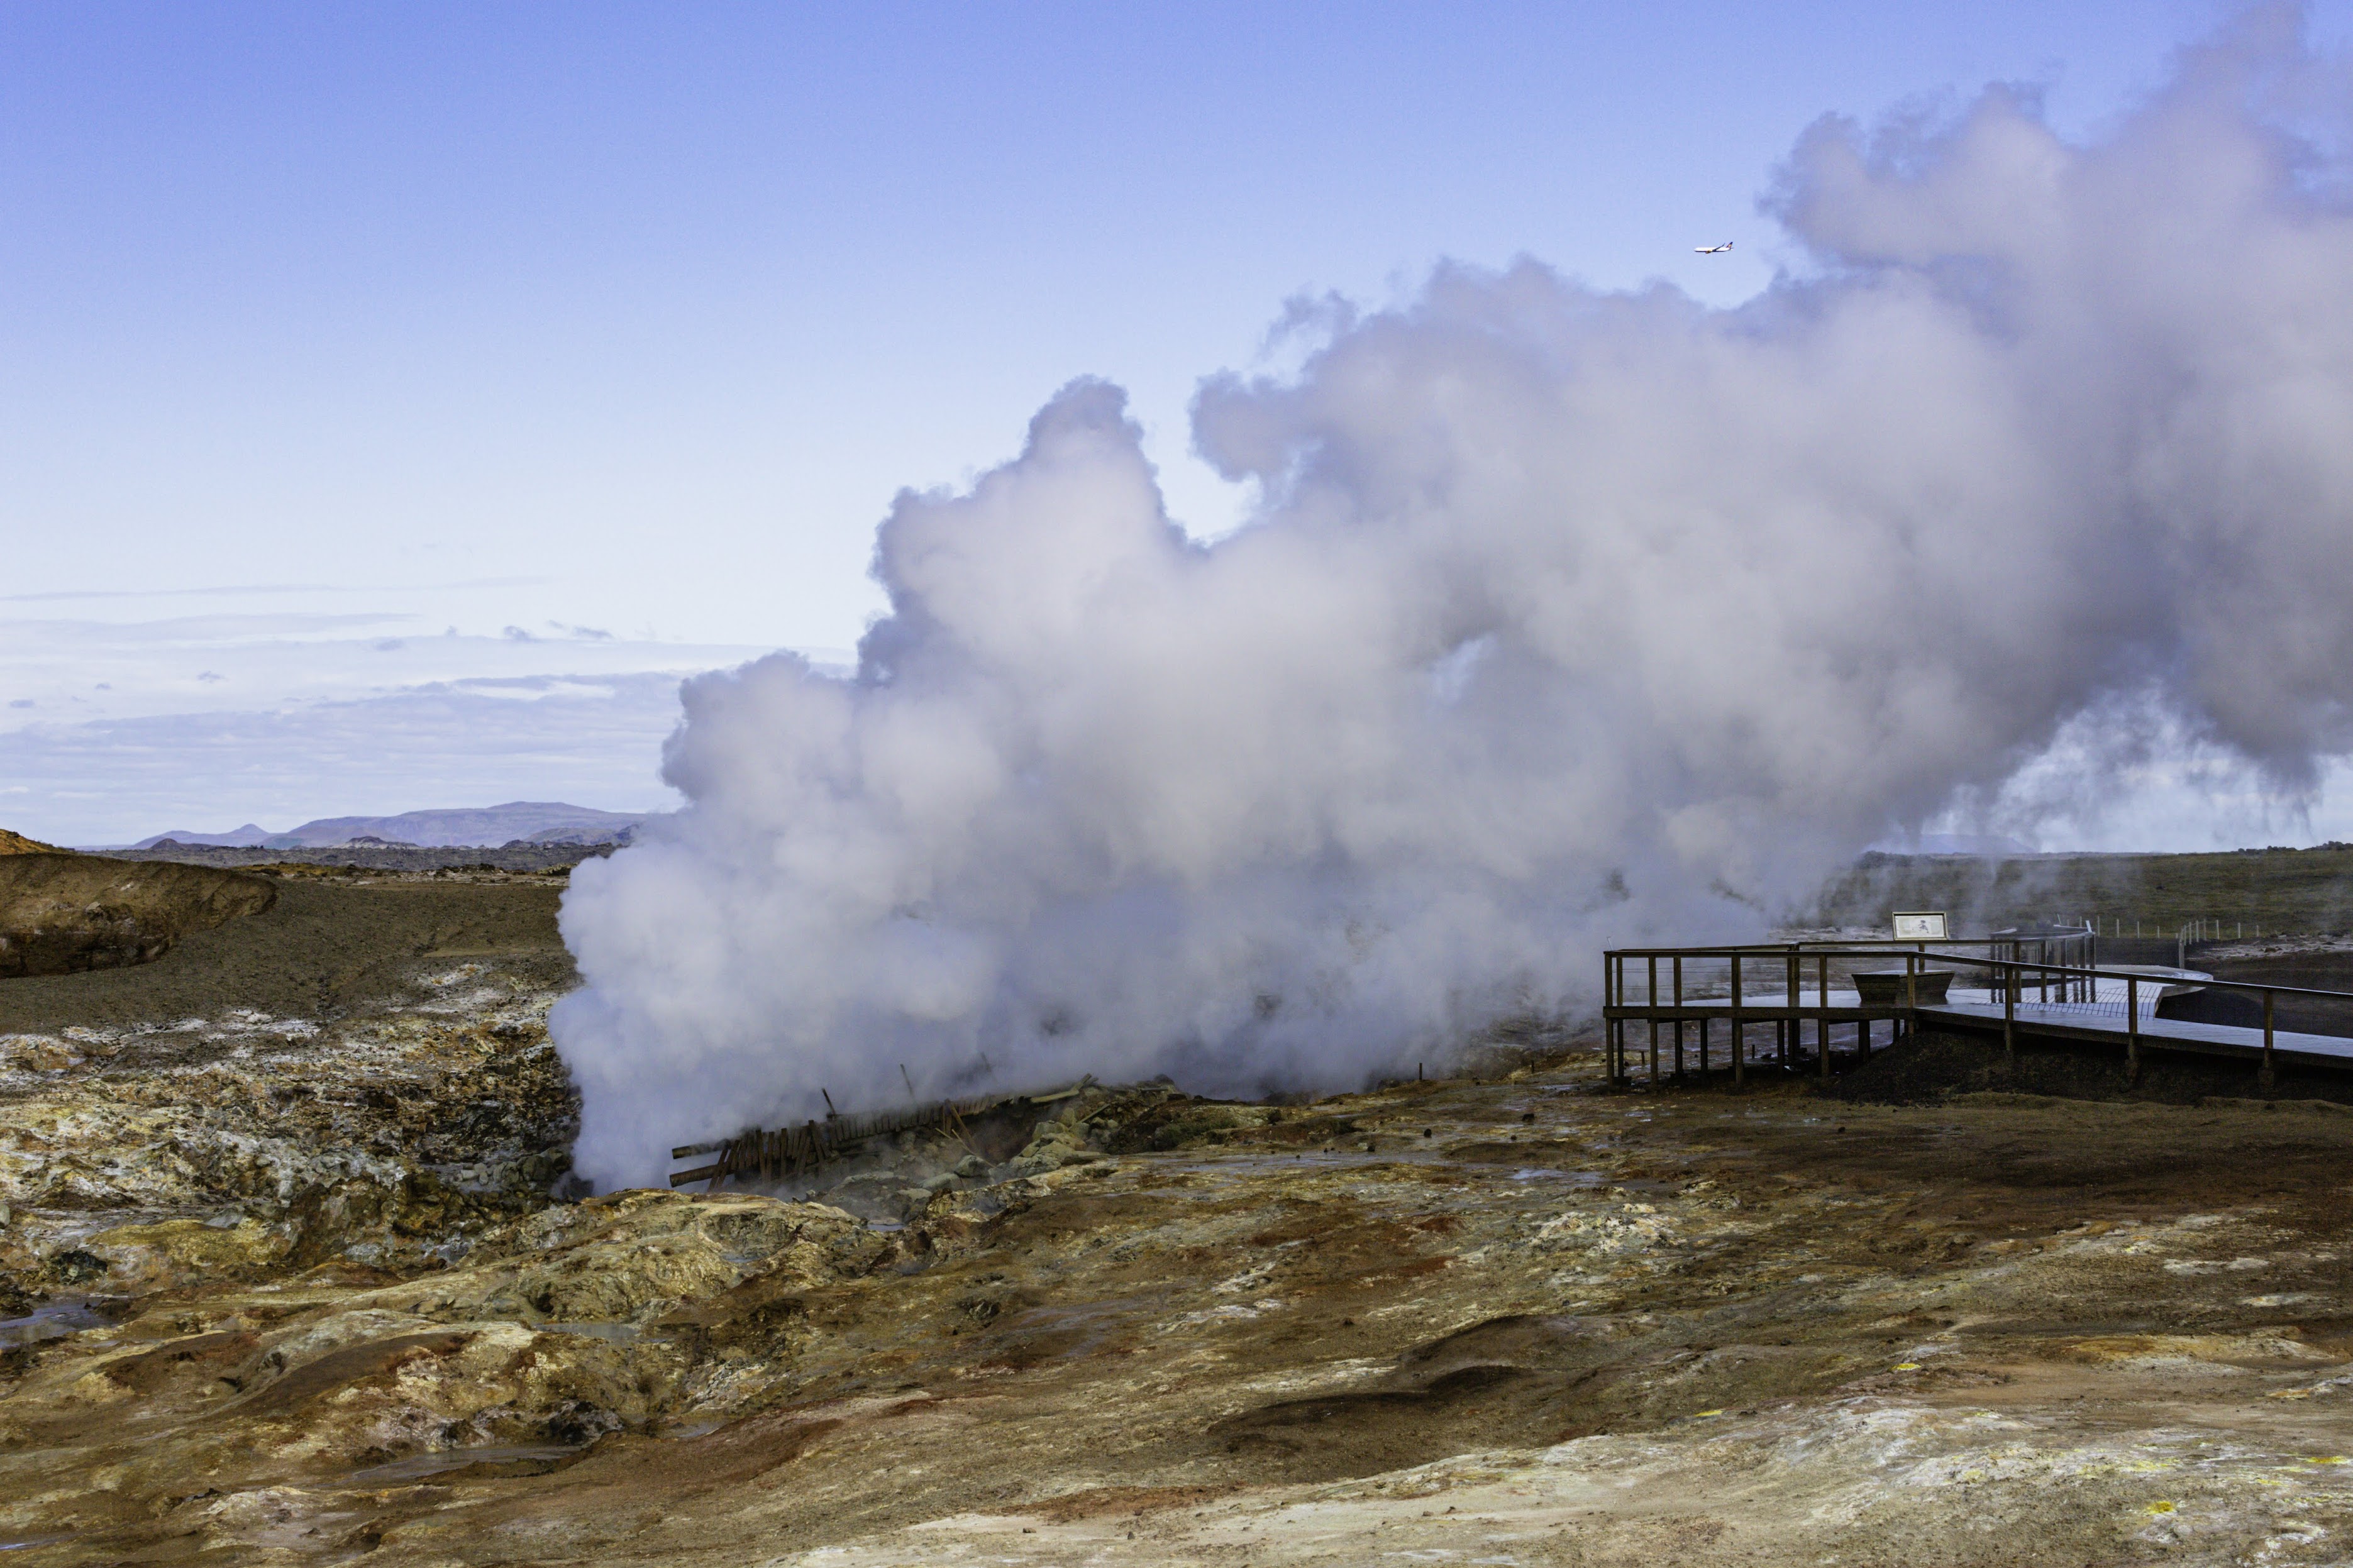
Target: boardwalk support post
column 1679, row 1018
column 1652, row 997
column 2008, row 1019
column 1789, row 1024
column 1822, row 1020
column 1739, row 1028
column 2266, row 1077
column 1609, row 999
column 2132, row 1029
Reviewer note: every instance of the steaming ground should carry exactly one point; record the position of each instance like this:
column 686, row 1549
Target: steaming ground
column 1562, row 616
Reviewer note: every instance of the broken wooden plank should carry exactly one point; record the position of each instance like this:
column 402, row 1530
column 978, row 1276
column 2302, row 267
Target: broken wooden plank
column 772, row 1155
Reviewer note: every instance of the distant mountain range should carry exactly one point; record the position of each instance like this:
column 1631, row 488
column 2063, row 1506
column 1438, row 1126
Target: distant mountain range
column 529, row 821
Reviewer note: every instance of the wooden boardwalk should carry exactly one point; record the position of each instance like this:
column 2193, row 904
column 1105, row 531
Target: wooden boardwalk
column 2171, row 1035
column 1804, row 1005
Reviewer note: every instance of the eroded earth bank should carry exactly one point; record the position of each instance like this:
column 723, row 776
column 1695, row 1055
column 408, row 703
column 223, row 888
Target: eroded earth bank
column 290, row 1283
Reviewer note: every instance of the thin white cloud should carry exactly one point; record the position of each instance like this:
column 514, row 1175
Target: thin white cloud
column 238, row 590
column 53, row 668
column 590, row 740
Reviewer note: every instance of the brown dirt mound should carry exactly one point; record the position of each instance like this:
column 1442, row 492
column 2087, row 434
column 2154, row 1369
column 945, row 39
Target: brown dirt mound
column 17, row 843
column 62, row 914
column 320, row 948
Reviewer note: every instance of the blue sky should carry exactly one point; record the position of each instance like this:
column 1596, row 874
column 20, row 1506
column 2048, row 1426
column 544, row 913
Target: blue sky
column 351, row 354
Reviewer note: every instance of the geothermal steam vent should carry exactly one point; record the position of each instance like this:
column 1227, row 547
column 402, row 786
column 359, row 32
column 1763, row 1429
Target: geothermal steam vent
column 1565, row 619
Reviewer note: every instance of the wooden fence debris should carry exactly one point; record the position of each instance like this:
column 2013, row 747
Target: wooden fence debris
column 772, row 1155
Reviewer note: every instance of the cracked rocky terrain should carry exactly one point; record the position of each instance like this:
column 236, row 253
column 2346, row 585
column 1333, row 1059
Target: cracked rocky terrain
column 307, row 1286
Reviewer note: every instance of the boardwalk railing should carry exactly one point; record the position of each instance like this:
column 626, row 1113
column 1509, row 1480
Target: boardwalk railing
column 1704, row 986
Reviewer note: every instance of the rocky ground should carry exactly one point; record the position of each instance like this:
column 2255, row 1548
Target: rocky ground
column 313, row 1287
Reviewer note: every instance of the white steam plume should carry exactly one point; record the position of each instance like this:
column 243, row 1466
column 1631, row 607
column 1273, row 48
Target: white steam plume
column 1566, row 616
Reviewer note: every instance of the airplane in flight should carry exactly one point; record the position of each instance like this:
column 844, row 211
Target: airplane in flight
column 1711, row 249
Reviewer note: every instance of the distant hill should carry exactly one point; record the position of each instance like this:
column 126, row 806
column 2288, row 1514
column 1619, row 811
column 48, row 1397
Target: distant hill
column 1999, row 845
column 531, row 821
column 245, row 837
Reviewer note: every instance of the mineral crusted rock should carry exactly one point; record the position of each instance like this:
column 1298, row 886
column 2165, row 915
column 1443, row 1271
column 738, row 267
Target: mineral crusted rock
column 1699, row 1328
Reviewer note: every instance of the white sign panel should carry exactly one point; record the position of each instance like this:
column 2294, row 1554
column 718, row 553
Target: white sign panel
column 1921, row 926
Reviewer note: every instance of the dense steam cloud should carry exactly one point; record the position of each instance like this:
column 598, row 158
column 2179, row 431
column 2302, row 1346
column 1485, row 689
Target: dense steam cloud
column 1566, row 616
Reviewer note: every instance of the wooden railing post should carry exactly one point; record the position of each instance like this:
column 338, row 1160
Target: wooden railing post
column 2265, row 1079
column 1618, row 1058
column 1789, row 999
column 1651, row 999
column 1822, row 1018
column 1739, row 1028
column 2009, row 1021
column 2132, row 1029
column 1608, row 1024
column 1679, row 1017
